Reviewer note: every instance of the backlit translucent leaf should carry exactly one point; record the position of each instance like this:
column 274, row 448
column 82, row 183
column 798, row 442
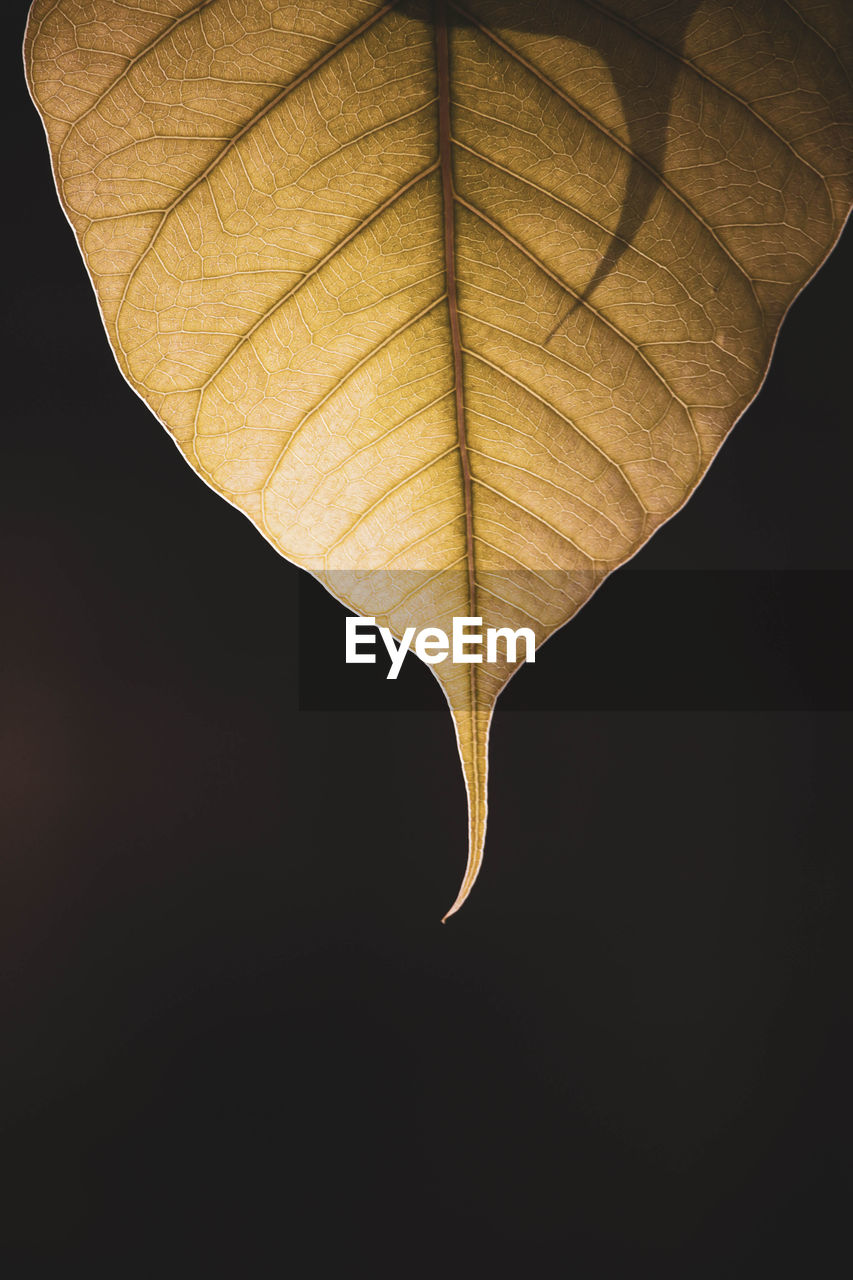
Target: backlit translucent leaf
column 455, row 302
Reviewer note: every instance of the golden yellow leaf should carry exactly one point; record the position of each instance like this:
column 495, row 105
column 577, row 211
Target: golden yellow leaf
column 456, row 302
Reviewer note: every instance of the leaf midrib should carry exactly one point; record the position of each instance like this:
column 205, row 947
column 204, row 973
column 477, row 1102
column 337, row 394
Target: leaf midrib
column 445, row 160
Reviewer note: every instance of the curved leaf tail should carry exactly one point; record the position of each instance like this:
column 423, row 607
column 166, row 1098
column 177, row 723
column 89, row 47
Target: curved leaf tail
column 472, row 726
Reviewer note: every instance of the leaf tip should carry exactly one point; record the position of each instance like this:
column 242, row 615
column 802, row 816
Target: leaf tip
column 472, row 870
column 472, row 735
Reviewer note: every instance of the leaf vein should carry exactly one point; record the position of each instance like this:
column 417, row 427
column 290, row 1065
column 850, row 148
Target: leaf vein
column 401, row 329
column 401, row 484
column 291, row 293
column 574, row 427
column 564, row 537
column 587, row 305
column 264, row 111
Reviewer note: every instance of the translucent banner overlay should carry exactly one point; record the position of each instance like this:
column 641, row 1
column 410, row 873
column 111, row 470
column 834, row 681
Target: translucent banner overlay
column 648, row 640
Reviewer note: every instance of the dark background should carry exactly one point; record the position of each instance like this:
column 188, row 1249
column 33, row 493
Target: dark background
column 235, row 1035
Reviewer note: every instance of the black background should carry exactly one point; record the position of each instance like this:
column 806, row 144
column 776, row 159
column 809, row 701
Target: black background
column 235, row 1035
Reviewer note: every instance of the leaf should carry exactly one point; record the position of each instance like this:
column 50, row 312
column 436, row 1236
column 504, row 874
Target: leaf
column 455, row 302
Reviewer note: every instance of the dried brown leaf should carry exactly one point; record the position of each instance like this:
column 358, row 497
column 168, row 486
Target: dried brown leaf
column 456, row 302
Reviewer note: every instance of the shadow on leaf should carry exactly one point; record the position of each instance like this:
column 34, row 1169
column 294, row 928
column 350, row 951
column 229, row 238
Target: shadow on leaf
column 645, row 105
